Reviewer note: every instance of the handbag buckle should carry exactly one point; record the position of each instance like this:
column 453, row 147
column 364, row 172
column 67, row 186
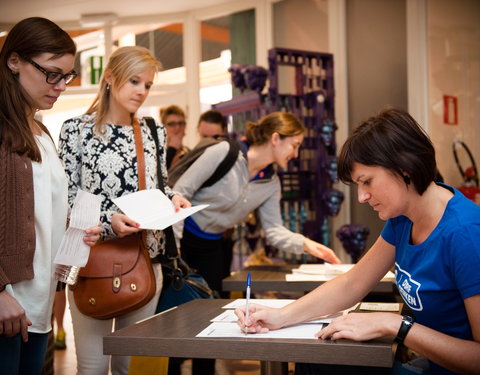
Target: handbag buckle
column 116, row 282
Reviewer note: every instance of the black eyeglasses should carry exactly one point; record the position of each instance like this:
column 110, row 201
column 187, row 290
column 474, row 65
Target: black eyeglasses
column 176, row 123
column 53, row 77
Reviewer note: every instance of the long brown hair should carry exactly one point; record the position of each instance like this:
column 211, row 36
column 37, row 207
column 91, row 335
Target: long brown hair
column 283, row 123
column 124, row 63
column 28, row 38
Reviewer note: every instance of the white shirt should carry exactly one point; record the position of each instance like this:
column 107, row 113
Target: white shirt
column 50, row 193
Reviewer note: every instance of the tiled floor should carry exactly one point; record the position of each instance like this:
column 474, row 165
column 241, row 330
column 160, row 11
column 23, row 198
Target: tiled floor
column 66, row 363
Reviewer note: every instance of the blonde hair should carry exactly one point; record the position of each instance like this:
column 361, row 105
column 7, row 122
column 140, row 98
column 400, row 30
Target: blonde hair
column 123, row 64
column 170, row 110
column 283, row 123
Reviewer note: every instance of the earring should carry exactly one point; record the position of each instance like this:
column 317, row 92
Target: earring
column 108, row 86
column 14, row 72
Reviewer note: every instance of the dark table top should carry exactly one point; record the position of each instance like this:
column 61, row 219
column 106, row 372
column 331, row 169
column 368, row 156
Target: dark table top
column 272, row 278
column 172, row 334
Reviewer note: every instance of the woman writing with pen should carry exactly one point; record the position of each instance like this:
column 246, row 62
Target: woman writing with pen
column 430, row 237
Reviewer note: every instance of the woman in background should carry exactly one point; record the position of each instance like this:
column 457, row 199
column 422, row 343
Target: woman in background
column 252, row 183
column 99, row 154
column 36, row 64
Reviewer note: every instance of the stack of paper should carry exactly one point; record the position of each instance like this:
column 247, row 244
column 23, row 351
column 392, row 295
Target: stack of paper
column 324, row 272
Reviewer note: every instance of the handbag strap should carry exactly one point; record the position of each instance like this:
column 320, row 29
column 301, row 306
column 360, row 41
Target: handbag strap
column 142, row 182
column 171, row 250
column 137, row 133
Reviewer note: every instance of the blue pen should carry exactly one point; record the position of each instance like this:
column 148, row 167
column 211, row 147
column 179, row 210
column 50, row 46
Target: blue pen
column 249, row 283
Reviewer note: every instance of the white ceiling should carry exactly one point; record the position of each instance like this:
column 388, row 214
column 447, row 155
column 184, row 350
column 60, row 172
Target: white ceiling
column 68, row 11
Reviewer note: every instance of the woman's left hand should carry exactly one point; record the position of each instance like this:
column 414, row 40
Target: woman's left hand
column 320, row 251
column 180, row 202
column 92, row 235
column 361, row 326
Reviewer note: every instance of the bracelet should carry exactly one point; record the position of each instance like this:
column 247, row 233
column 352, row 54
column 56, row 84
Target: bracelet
column 407, row 323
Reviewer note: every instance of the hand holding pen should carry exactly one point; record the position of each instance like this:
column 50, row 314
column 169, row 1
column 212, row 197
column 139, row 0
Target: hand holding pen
column 249, row 283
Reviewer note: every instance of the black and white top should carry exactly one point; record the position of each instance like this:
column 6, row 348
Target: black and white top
column 106, row 165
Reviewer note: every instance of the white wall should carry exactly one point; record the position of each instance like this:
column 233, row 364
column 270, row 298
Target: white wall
column 454, row 69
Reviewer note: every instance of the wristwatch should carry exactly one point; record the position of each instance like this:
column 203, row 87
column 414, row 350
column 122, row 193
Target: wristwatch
column 407, row 323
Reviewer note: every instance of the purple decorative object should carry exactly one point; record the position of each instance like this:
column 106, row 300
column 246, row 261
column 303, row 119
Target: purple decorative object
column 354, row 239
column 256, row 77
column 330, row 164
column 312, row 99
column 327, row 132
column 333, row 199
column 238, row 78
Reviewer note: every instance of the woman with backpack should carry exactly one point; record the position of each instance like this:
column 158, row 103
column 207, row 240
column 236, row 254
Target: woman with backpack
column 250, row 184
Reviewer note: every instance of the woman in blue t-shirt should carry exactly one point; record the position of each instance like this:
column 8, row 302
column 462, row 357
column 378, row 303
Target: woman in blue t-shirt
column 431, row 238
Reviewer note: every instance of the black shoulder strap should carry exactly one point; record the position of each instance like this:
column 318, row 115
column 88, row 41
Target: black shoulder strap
column 226, row 164
column 175, row 172
column 171, row 250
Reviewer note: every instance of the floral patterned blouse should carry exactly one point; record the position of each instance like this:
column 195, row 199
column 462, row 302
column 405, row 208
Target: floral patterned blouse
column 106, row 165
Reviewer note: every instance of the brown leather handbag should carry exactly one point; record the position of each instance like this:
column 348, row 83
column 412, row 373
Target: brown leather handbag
column 118, row 277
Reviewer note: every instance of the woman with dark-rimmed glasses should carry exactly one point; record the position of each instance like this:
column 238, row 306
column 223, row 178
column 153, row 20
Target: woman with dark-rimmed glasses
column 36, row 64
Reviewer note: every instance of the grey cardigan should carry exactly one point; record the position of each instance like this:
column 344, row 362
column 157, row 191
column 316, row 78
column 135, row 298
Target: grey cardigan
column 233, row 197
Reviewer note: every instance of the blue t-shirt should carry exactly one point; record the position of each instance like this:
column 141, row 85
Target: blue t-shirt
column 434, row 277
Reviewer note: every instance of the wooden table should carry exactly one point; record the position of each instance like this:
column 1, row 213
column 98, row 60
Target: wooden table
column 172, row 334
column 272, row 278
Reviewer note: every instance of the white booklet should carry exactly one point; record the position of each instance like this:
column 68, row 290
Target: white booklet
column 152, row 209
column 85, row 214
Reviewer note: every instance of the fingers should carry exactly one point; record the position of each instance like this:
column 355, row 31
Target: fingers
column 180, row 202
column 25, row 322
column 13, row 319
column 330, row 257
column 122, row 225
column 92, row 235
column 321, row 251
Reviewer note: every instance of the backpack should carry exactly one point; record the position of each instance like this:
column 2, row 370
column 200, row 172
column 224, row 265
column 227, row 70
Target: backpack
column 175, row 172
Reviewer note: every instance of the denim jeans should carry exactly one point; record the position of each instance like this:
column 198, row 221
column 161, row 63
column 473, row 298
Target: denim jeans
column 23, row 358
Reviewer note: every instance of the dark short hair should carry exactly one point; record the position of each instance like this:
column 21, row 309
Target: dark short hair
column 170, row 110
column 213, row 117
column 393, row 140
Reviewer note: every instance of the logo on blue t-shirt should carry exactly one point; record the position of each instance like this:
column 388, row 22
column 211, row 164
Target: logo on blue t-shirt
column 408, row 288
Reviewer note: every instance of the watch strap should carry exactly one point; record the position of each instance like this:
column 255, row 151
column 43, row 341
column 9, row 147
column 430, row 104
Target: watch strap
column 407, row 323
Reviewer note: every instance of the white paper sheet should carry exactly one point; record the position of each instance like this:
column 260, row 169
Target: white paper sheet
column 299, row 331
column 152, row 209
column 228, row 316
column 85, row 214
column 324, row 272
column 240, row 302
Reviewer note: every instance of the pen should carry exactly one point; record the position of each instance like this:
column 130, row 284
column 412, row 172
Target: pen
column 249, row 283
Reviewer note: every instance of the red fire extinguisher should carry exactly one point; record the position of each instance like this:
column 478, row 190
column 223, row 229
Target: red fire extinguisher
column 470, row 187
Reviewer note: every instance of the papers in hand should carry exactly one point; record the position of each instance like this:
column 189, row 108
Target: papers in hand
column 152, row 209
column 85, row 214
